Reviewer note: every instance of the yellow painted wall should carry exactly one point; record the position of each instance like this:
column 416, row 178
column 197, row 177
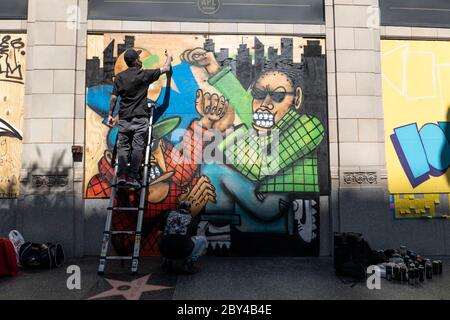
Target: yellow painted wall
column 416, row 89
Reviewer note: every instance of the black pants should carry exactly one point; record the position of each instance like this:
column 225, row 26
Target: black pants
column 131, row 143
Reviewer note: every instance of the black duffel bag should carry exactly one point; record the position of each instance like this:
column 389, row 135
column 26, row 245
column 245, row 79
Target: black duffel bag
column 352, row 254
column 41, row 256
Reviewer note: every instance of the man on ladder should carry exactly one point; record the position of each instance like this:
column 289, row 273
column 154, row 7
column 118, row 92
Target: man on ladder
column 133, row 117
column 135, row 133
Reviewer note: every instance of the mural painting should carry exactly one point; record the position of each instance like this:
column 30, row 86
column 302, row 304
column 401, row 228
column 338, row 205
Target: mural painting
column 420, row 206
column 12, row 91
column 417, row 126
column 241, row 132
column 416, row 106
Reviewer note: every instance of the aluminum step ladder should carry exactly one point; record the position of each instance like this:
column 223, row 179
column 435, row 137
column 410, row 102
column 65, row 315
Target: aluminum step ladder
column 104, row 257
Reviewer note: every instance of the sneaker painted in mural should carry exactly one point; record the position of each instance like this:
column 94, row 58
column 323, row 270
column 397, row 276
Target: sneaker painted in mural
column 217, row 236
column 305, row 216
column 214, row 233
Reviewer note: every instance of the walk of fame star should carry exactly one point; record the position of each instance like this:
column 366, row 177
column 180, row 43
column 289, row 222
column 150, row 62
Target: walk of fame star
column 129, row 290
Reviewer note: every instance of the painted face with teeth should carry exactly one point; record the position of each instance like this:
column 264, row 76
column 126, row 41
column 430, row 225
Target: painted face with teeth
column 273, row 94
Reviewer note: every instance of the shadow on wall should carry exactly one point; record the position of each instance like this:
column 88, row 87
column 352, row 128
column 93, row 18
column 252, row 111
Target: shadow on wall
column 45, row 209
column 367, row 211
column 42, row 181
column 95, row 211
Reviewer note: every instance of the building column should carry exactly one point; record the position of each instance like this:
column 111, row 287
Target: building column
column 51, row 192
column 358, row 90
column 357, row 150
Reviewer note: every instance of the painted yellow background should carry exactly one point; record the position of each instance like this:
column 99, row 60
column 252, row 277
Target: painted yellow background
column 416, row 89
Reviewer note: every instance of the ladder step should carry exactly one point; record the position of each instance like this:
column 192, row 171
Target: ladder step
column 125, row 187
column 120, row 232
column 118, row 258
column 125, row 209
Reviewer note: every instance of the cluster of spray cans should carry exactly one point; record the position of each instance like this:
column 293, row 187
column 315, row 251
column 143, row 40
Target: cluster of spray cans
column 407, row 266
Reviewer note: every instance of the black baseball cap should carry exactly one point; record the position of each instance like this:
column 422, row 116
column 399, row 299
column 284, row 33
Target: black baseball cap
column 131, row 55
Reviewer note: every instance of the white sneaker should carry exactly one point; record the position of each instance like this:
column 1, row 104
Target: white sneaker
column 17, row 240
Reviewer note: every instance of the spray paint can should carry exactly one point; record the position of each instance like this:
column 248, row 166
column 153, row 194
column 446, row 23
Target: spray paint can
column 396, row 272
column 389, row 272
column 435, row 266
column 411, row 275
column 396, row 258
column 403, row 274
column 423, row 262
column 412, row 255
column 403, row 251
column 421, row 273
column 419, row 261
column 428, row 270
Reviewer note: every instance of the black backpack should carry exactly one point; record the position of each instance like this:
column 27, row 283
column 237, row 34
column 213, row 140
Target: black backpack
column 352, row 254
column 41, row 256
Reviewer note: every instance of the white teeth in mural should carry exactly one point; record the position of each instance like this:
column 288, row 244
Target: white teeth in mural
column 263, row 119
column 154, row 173
column 307, row 229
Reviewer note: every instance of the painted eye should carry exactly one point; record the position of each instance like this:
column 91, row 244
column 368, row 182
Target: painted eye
column 258, row 94
column 278, row 96
column 154, row 145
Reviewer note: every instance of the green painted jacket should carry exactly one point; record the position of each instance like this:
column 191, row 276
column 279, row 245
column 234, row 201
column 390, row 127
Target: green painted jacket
column 286, row 164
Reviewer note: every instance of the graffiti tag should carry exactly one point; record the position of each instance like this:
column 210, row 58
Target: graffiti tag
column 10, row 66
column 423, row 153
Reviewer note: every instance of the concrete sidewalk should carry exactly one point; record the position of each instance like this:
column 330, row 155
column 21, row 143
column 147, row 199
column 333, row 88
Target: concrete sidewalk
column 234, row 278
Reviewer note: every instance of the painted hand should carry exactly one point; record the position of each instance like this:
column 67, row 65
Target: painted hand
column 199, row 57
column 199, row 195
column 214, row 111
column 112, row 121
